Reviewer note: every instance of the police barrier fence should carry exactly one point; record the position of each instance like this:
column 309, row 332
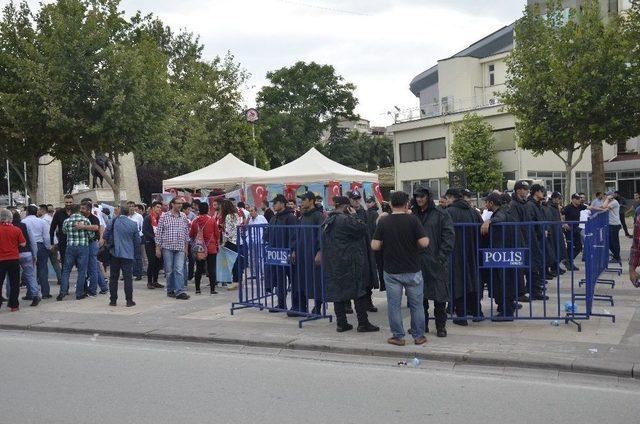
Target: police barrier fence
column 528, row 270
column 282, row 271
column 517, row 271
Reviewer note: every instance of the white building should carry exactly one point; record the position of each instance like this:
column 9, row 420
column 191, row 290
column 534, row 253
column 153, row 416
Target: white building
column 468, row 82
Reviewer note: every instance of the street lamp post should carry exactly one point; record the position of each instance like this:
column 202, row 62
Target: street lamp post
column 252, row 118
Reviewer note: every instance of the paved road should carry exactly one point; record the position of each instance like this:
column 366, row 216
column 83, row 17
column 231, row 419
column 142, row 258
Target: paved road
column 78, row 379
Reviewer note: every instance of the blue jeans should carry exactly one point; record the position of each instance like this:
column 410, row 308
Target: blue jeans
column 29, row 274
column 78, row 256
column 93, row 270
column 414, row 286
column 43, row 269
column 174, row 265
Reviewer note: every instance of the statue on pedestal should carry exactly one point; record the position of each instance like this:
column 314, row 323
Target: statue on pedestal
column 105, row 164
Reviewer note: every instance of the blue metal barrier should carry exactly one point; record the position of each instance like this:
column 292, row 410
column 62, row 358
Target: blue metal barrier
column 518, row 265
column 280, row 272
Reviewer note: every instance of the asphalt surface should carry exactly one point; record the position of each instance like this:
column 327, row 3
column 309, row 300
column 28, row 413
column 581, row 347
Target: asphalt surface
column 56, row 378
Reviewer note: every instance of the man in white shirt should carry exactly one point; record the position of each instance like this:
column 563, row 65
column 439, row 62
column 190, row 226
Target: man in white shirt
column 47, row 217
column 612, row 205
column 138, row 219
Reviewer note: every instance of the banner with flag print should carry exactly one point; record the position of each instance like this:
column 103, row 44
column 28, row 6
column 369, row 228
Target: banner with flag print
column 333, row 189
column 316, row 188
column 273, row 190
column 345, row 186
column 290, row 191
column 367, row 189
column 258, row 194
column 377, row 192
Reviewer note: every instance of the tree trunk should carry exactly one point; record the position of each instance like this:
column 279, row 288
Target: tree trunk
column 115, row 160
column 33, row 181
column 597, row 168
column 568, row 169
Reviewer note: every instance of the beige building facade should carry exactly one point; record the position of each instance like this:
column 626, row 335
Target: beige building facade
column 470, row 81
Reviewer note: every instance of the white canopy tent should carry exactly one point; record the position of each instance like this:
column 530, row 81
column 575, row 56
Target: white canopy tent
column 312, row 167
column 227, row 173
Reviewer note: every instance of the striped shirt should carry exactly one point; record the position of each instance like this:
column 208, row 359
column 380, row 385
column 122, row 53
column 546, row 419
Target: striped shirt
column 173, row 231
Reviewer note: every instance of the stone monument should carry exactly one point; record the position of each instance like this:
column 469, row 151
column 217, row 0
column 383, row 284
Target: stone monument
column 50, row 183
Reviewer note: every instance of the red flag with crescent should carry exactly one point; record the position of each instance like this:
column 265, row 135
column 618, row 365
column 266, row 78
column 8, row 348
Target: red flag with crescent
column 290, row 191
column 356, row 186
column 259, row 194
column 377, row 192
column 333, row 189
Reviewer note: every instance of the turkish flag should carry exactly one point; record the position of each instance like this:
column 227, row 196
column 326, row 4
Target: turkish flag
column 290, row 191
column 333, row 189
column 356, row 186
column 259, row 194
column 377, row 192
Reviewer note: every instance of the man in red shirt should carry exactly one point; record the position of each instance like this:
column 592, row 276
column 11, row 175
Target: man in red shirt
column 11, row 239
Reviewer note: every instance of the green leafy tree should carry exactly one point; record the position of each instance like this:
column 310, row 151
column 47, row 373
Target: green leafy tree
column 206, row 116
column 568, row 85
column 300, row 104
column 473, row 152
column 358, row 150
column 25, row 134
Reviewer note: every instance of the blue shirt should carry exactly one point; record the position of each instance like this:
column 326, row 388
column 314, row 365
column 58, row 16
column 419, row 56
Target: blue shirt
column 38, row 232
column 123, row 236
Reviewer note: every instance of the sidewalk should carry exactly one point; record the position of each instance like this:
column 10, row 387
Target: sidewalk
column 602, row 347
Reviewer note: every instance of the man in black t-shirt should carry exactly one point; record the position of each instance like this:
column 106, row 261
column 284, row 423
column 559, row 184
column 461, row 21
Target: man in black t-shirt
column 401, row 237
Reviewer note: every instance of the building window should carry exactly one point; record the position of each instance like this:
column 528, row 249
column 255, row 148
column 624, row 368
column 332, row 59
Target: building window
column 492, row 75
column 423, row 150
column 552, row 180
column 583, row 183
column 613, row 6
column 622, row 146
column 437, row 186
column 505, row 139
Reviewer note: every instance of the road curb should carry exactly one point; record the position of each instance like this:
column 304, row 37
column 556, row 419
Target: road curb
column 580, row 365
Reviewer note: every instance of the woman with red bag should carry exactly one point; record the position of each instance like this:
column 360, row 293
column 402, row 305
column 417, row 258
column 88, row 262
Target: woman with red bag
column 204, row 234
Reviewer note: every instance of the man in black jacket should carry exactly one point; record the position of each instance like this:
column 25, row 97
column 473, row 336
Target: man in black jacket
column 502, row 282
column 369, row 272
column 55, row 230
column 435, row 258
column 518, row 210
column 306, row 259
column 537, row 263
column 344, row 259
column 573, row 233
column 467, row 290
column 277, row 235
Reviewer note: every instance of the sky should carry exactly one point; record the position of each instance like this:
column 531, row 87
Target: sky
column 378, row 45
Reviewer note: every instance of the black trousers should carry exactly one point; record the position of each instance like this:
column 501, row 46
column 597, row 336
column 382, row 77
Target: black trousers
column 62, row 248
column 362, row 304
column 12, row 269
column 191, row 264
column 439, row 312
column 153, row 268
column 624, row 224
column 504, row 290
column 473, row 309
column 574, row 238
column 126, row 265
column 614, row 241
column 209, row 266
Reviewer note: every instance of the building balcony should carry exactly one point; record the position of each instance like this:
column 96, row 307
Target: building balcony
column 447, row 106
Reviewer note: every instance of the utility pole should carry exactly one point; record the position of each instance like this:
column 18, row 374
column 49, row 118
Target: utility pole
column 9, row 185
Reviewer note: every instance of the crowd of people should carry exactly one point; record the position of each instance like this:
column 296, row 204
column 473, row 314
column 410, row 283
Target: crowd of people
column 409, row 246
